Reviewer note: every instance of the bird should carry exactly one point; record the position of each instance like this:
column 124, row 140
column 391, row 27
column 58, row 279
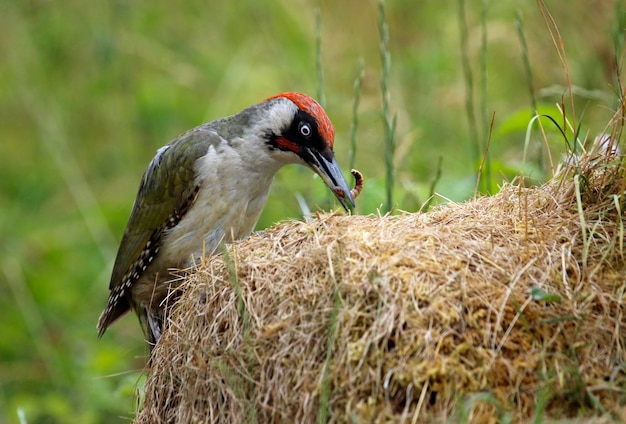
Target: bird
column 208, row 187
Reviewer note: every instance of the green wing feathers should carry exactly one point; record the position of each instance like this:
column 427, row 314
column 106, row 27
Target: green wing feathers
column 166, row 187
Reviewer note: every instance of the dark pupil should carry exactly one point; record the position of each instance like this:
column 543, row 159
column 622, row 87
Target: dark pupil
column 305, row 130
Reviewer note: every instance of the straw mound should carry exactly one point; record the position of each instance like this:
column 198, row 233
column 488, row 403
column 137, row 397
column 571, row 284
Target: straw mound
column 501, row 306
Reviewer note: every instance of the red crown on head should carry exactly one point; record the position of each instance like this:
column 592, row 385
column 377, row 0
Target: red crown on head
column 313, row 108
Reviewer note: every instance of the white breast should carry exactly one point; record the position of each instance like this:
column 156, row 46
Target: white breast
column 234, row 185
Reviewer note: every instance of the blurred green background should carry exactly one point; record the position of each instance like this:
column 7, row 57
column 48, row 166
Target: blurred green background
column 90, row 91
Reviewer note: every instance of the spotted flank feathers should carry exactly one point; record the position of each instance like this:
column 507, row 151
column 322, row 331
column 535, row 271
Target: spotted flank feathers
column 118, row 293
column 118, row 304
column 236, row 158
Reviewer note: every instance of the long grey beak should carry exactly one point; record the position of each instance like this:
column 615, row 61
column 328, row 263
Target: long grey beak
column 329, row 171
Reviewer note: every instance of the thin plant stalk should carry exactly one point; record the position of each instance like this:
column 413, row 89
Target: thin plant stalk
column 618, row 43
column 469, row 85
column 355, row 112
column 388, row 122
column 519, row 26
column 246, row 323
column 485, row 165
column 324, row 407
column 559, row 45
column 318, row 58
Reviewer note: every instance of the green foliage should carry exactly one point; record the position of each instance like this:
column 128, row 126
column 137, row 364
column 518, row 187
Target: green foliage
column 540, row 295
column 463, row 411
column 90, row 93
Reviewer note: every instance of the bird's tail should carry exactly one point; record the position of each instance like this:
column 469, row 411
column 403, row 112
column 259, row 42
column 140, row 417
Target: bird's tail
column 115, row 309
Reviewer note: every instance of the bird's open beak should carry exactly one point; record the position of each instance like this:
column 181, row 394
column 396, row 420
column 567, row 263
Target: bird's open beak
column 329, row 171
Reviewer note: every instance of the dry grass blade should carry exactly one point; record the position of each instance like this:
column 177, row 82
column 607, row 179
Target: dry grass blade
column 504, row 301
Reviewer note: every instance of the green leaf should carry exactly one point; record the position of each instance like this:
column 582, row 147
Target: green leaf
column 541, row 296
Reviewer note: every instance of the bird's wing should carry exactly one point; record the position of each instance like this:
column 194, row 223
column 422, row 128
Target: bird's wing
column 167, row 189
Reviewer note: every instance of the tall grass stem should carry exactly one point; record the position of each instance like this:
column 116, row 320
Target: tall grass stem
column 246, row 323
column 321, row 98
column 388, row 122
column 358, row 82
column 487, row 124
column 469, row 85
column 519, row 26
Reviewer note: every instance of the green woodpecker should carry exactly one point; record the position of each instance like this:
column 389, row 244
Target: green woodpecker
column 208, row 187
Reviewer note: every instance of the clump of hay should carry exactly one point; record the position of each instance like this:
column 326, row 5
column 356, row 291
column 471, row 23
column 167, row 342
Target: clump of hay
column 504, row 306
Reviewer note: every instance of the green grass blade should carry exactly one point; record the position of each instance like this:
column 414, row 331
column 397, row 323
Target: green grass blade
column 388, row 121
column 355, row 112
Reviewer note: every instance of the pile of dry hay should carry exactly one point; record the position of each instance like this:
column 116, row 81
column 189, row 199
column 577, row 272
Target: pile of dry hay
column 505, row 306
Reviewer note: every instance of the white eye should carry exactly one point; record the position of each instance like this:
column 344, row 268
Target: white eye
column 304, row 129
